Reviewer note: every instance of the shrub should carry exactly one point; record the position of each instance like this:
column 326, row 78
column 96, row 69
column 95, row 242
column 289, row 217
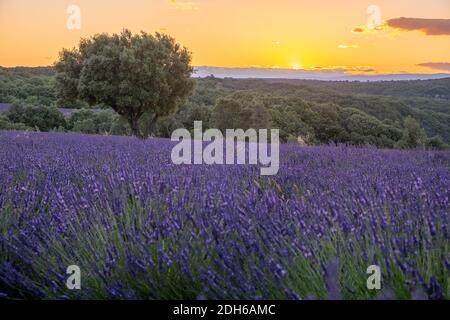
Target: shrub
column 41, row 117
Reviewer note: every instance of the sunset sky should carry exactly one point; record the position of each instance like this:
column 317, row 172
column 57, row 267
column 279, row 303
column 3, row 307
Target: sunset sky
column 296, row 34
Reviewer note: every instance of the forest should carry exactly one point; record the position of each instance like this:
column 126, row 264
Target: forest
column 387, row 114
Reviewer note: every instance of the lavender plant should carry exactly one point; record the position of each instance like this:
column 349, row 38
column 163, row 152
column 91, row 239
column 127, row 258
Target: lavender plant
column 140, row 227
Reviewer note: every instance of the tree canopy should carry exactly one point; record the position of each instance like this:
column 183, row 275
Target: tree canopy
column 133, row 74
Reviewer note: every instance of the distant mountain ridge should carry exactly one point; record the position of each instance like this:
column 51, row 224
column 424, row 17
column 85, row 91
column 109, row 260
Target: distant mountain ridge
column 269, row 73
column 320, row 74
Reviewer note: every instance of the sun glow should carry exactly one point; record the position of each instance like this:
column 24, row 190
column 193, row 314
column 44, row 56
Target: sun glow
column 301, row 33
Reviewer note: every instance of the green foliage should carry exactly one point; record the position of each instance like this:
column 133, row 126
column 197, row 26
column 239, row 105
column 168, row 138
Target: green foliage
column 85, row 126
column 100, row 122
column 27, row 85
column 413, row 135
column 358, row 113
column 312, row 122
column 291, row 126
column 437, row 88
column 5, row 124
column 133, row 74
column 437, row 143
column 240, row 112
column 433, row 113
column 363, row 129
column 184, row 118
column 228, row 113
column 41, row 117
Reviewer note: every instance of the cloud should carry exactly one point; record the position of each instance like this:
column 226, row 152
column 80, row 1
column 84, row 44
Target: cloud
column 360, row 69
column 444, row 66
column 365, row 29
column 343, row 69
column 358, row 30
column 347, row 46
column 183, row 5
column 431, row 27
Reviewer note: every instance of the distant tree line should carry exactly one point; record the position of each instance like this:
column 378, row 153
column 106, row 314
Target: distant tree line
column 317, row 112
column 34, row 86
column 436, row 89
column 313, row 123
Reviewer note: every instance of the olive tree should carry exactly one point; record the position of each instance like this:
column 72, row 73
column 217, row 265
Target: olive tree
column 134, row 74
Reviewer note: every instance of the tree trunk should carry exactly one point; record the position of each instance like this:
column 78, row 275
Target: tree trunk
column 152, row 125
column 149, row 130
column 134, row 124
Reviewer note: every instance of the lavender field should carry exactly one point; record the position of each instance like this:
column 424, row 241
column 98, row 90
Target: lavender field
column 140, row 227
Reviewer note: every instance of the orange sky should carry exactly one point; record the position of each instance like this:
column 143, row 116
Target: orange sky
column 236, row 33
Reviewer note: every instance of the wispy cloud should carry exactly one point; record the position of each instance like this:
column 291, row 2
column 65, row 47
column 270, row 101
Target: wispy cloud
column 343, row 69
column 365, row 29
column 443, row 66
column 184, row 5
column 431, row 27
column 358, row 30
column 347, row 46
